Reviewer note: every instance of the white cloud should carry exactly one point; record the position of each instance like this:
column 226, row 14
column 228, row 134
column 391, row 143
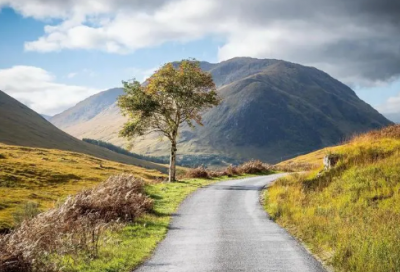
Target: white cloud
column 128, row 29
column 140, row 74
column 38, row 89
column 71, row 75
column 391, row 106
column 356, row 41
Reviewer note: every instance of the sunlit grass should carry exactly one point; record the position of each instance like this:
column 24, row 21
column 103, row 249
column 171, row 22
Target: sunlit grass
column 45, row 176
column 350, row 215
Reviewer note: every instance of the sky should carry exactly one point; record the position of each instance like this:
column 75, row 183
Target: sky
column 55, row 53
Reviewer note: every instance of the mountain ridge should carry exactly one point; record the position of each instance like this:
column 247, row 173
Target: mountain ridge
column 270, row 109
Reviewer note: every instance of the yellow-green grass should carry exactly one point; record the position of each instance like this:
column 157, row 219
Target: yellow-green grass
column 350, row 215
column 309, row 161
column 46, row 176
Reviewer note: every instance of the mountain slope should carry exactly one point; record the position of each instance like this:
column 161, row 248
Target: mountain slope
column 21, row 126
column 86, row 109
column 271, row 110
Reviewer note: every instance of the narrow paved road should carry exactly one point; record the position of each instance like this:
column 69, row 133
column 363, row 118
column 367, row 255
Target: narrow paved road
column 223, row 228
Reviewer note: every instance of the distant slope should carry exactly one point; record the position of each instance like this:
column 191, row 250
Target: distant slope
column 271, row 110
column 21, row 126
column 47, row 117
column 86, row 109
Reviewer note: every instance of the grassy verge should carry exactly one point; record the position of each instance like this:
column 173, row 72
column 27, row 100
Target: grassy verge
column 129, row 247
column 348, row 216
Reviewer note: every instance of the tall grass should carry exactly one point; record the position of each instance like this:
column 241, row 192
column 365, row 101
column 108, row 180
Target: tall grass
column 74, row 227
column 350, row 215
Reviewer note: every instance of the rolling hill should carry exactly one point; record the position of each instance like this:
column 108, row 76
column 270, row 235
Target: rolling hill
column 44, row 176
column 335, row 212
column 21, row 126
column 271, row 110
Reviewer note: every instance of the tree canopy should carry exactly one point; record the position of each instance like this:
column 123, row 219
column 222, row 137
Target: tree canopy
column 173, row 95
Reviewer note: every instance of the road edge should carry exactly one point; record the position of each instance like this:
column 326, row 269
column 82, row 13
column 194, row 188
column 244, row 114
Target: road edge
column 300, row 242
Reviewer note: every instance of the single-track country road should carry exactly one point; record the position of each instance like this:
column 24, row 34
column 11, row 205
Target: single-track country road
column 223, row 227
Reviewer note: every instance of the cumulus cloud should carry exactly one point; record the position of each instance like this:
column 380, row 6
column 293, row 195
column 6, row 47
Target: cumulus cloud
column 356, row 41
column 37, row 89
column 391, row 106
column 71, row 75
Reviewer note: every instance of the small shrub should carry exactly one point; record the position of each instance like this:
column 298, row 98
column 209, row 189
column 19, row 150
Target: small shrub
column 254, row 167
column 231, row 171
column 199, row 172
column 216, row 174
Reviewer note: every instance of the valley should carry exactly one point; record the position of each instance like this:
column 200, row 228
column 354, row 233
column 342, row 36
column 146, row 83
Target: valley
column 200, row 136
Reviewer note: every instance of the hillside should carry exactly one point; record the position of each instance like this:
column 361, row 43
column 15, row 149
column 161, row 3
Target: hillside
column 349, row 215
column 44, row 176
column 271, row 110
column 86, row 109
column 21, row 126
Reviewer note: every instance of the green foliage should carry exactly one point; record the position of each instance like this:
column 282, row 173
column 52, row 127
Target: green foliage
column 350, row 215
column 171, row 97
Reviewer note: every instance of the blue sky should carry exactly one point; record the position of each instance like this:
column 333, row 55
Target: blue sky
column 54, row 55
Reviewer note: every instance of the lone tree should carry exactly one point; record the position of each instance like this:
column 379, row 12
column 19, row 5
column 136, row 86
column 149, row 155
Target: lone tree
column 171, row 97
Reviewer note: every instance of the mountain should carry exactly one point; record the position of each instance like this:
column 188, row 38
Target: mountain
column 45, row 116
column 87, row 109
column 19, row 125
column 271, row 110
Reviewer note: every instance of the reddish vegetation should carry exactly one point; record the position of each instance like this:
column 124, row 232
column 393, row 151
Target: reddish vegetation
column 391, row 132
column 75, row 225
column 251, row 167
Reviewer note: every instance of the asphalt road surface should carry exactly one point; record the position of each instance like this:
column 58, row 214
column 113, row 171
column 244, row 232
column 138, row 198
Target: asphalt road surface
column 224, row 228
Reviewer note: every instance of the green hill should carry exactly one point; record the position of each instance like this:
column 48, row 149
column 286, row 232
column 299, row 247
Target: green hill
column 21, row 126
column 349, row 216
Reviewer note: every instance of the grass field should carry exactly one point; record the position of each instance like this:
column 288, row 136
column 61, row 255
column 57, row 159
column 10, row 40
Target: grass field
column 348, row 216
column 45, row 176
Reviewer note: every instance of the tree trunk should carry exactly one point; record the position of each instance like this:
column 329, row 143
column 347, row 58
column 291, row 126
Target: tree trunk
column 172, row 163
